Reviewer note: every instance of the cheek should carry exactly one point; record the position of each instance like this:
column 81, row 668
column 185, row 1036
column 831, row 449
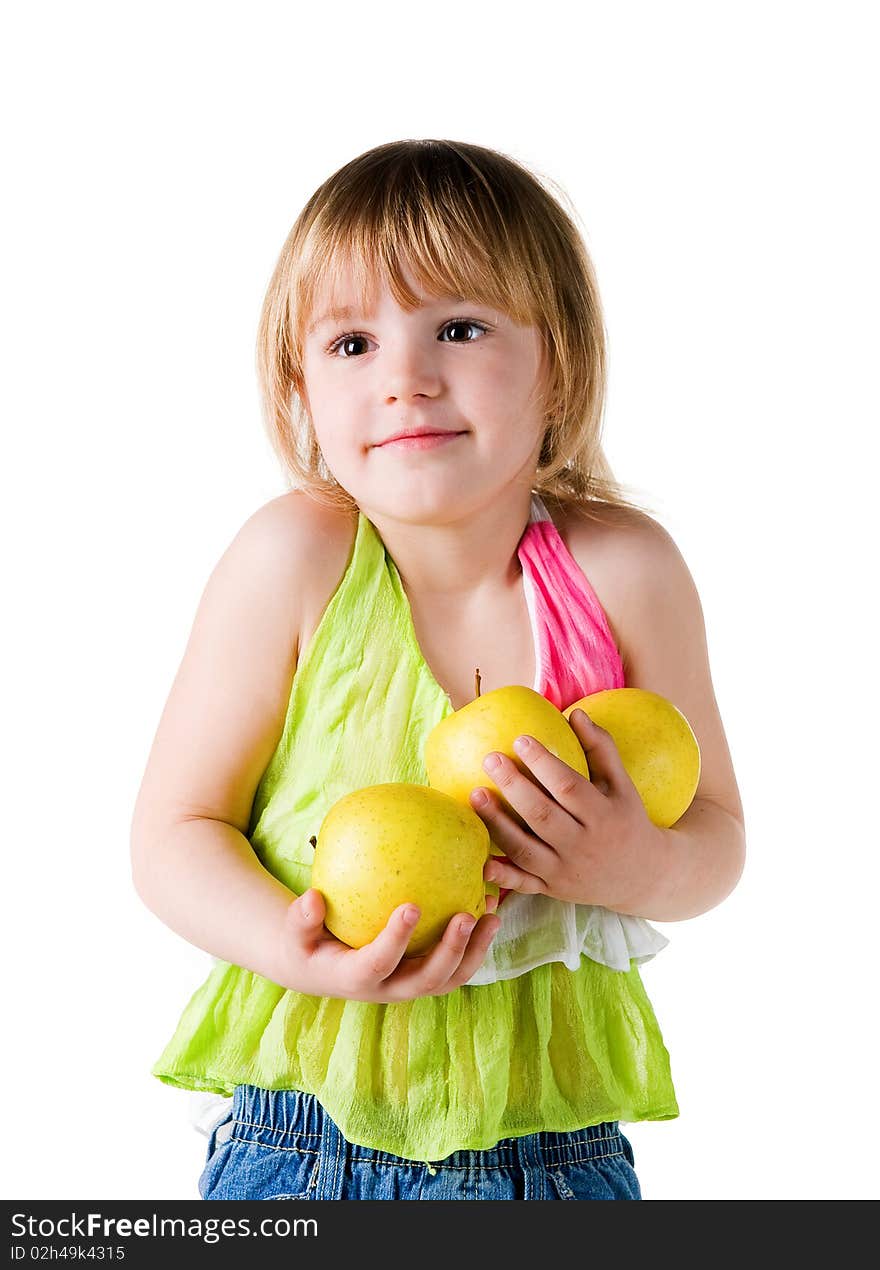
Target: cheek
column 339, row 447
column 332, row 413
column 320, row 391
column 505, row 389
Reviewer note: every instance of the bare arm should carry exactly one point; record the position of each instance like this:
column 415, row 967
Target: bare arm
column 203, row 880
column 698, row 863
column 192, row 863
column 591, row 841
column 701, row 857
column 218, row 896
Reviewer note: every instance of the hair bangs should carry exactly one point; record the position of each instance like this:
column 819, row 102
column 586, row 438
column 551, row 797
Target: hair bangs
column 448, row 249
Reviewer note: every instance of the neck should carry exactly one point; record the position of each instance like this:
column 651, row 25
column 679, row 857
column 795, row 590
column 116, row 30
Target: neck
column 462, row 560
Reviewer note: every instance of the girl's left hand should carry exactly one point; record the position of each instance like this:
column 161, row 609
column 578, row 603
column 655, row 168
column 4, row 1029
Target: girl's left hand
column 593, row 842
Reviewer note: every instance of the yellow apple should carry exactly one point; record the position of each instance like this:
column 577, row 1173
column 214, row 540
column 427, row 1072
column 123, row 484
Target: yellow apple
column 385, row 845
column 457, row 745
column 656, row 743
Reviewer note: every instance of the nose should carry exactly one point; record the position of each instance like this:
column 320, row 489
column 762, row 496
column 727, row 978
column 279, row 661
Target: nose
column 409, row 371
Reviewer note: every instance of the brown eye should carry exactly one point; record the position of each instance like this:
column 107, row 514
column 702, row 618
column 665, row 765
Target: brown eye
column 346, row 346
column 345, row 341
column 462, row 324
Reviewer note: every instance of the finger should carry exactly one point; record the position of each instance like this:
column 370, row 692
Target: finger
column 306, row 915
column 440, row 964
column 507, row 875
column 475, row 953
column 607, row 771
column 569, row 789
column 518, row 844
column 379, row 958
column 537, row 804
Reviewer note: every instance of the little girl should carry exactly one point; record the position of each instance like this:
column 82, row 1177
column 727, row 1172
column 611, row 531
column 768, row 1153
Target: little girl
column 451, row 509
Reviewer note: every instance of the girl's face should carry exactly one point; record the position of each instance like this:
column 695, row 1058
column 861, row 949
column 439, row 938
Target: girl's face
column 452, row 365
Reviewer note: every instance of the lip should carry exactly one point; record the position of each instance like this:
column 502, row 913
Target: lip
column 425, row 440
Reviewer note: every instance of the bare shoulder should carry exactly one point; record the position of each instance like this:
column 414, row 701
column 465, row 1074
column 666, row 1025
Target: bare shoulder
column 615, row 547
column 308, row 543
column 226, row 708
column 320, row 539
column 653, row 607
column 607, row 525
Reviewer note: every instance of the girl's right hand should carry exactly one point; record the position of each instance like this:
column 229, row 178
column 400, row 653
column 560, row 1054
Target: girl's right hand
column 317, row 963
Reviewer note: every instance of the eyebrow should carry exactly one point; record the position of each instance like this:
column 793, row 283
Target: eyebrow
column 334, row 315
column 337, row 314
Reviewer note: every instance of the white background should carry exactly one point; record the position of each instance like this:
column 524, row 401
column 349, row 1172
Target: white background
column 722, row 160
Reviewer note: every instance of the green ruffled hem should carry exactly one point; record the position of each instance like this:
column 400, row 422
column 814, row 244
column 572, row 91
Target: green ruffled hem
column 551, row 1050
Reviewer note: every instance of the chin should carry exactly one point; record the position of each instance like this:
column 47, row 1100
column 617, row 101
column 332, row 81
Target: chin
column 419, row 502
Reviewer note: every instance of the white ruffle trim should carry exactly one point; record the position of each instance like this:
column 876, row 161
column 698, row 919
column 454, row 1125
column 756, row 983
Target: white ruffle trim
column 536, row 929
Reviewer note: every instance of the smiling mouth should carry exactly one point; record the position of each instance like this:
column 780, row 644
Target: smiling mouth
column 421, row 440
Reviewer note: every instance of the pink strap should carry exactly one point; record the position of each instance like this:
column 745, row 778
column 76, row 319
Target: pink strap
column 577, row 650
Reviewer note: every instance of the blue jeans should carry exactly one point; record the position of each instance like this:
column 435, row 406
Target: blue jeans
column 281, row 1144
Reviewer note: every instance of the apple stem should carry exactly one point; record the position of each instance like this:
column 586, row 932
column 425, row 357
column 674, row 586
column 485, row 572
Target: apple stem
column 477, row 683
column 313, row 841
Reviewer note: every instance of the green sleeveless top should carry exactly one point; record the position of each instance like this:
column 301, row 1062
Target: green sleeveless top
column 555, row 1048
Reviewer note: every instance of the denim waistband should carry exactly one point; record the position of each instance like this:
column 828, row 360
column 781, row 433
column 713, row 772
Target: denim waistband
column 294, row 1119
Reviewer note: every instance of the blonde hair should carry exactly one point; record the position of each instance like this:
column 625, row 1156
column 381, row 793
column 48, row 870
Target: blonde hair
column 467, row 221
